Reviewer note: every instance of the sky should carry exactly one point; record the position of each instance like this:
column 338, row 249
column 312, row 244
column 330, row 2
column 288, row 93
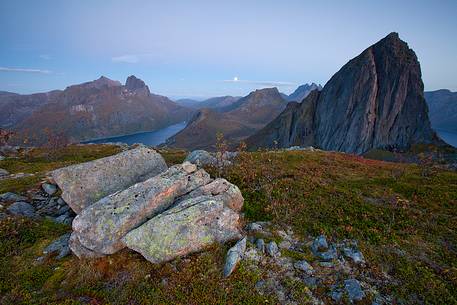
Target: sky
column 199, row 49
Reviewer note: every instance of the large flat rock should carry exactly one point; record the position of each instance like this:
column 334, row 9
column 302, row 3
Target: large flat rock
column 192, row 225
column 101, row 226
column 84, row 184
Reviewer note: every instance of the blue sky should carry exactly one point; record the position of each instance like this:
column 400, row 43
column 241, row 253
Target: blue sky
column 197, row 48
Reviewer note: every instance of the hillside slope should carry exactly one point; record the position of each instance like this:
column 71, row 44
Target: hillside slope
column 442, row 105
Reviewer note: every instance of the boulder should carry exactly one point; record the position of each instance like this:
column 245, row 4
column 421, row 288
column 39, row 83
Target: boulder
column 223, row 188
column 272, row 249
column 190, row 226
column 86, row 183
column 59, row 246
column 79, row 250
column 49, row 188
column 353, row 289
column 22, row 209
column 201, row 158
column 234, row 256
column 3, row 172
column 12, row 197
column 101, row 226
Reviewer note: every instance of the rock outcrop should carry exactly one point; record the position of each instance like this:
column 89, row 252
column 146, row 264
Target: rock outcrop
column 101, row 226
column 86, row 183
column 376, row 100
column 160, row 214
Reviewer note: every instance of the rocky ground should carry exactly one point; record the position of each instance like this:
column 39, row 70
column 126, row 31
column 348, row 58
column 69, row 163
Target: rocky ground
column 315, row 228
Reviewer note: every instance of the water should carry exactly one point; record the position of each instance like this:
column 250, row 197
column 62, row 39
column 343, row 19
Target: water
column 448, row 137
column 152, row 138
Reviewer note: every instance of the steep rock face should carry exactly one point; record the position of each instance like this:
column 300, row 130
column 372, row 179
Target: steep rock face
column 376, row 100
column 101, row 108
column 294, row 126
column 442, row 106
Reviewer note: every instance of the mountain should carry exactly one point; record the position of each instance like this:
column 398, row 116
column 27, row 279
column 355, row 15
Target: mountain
column 200, row 132
column 376, row 100
column 100, row 108
column 236, row 121
column 442, row 105
column 217, row 103
column 302, row 92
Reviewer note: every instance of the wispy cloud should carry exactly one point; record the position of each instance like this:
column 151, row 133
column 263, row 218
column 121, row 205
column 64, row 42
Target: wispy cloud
column 128, row 58
column 45, row 56
column 24, row 70
column 235, row 80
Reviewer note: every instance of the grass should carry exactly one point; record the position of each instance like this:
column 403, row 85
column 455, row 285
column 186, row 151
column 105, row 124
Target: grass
column 405, row 223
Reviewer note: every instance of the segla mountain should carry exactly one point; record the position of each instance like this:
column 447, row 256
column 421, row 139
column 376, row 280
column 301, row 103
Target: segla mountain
column 376, row 100
column 100, row 108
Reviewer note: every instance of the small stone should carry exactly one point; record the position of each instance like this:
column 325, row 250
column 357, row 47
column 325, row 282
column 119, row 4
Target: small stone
column 355, row 255
column 326, row 264
column 60, row 245
column 311, row 282
column 260, row 244
column 189, row 167
column 49, row 188
column 4, row 172
column 234, row 256
column 254, row 227
column 320, row 244
column 337, row 294
column 304, row 266
column 353, row 289
column 22, row 209
column 12, row 197
column 285, row 244
column 328, row 255
column 272, row 249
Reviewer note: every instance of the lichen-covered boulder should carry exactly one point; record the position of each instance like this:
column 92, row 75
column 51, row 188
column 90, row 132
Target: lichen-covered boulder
column 101, row 226
column 85, row 183
column 79, row 250
column 230, row 192
column 201, row 158
column 190, row 226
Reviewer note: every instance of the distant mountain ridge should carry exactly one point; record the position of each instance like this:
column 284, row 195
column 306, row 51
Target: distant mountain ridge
column 442, row 105
column 376, row 100
column 218, row 103
column 95, row 109
column 303, row 91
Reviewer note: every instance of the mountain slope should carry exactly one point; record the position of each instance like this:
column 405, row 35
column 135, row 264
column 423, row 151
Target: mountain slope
column 376, row 100
column 201, row 131
column 101, row 108
column 442, row 106
column 302, row 92
column 236, row 121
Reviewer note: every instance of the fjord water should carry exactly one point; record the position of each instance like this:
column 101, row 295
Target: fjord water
column 152, row 138
column 448, row 137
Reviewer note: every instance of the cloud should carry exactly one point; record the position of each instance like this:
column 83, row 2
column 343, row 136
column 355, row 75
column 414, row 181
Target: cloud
column 260, row 83
column 24, row 70
column 128, row 58
column 45, row 56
